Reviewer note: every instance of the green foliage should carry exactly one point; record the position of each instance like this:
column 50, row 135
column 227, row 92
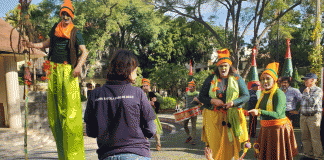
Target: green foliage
column 200, row 78
column 21, row 81
column 315, row 55
column 181, row 42
column 83, row 98
column 168, row 103
column 296, row 79
column 170, row 77
column 138, row 81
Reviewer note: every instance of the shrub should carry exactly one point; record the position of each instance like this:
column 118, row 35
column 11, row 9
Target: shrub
column 168, row 103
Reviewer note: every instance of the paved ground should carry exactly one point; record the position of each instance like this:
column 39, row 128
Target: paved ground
column 42, row 147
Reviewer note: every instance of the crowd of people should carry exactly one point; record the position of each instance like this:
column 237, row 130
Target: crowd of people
column 123, row 117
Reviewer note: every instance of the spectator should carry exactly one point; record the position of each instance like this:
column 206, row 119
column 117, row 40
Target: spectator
column 89, row 86
column 155, row 104
column 98, row 85
column 310, row 119
column 293, row 98
column 119, row 115
column 146, row 86
column 253, row 120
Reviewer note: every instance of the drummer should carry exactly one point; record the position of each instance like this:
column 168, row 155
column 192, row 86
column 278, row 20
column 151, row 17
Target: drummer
column 191, row 101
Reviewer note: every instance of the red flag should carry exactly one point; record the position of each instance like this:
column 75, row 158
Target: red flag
column 190, row 71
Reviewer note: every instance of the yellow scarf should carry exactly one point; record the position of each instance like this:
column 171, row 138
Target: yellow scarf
column 63, row 32
column 269, row 103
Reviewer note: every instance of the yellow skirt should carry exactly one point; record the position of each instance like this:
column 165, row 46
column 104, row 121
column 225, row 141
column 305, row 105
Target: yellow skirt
column 215, row 135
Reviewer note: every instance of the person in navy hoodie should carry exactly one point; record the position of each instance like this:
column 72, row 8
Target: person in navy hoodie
column 119, row 115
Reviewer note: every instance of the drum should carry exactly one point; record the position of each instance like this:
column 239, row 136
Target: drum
column 187, row 113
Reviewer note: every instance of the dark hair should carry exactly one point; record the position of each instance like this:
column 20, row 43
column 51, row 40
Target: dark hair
column 231, row 71
column 89, row 85
column 286, row 79
column 121, row 65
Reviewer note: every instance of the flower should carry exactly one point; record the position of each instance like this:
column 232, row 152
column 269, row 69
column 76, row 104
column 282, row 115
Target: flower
column 29, row 64
column 47, row 61
column 212, row 82
column 43, row 78
column 237, row 78
column 215, row 89
column 220, row 95
column 65, row 62
column 219, row 80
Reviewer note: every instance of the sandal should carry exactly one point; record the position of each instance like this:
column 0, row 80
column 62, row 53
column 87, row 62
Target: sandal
column 158, row 147
column 193, row 143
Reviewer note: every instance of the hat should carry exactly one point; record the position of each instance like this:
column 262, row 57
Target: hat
column 254, row 85
column 272, row 70
column 145, row 81
column 310, row 76
column 191, row 83
column 223, row 56
column 67, row 7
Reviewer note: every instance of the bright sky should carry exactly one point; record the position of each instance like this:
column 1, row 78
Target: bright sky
column 7, row 5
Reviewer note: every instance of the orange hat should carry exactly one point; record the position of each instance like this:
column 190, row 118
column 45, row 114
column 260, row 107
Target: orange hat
column 191, row 83
column 67, row 7
column 223, row 56
column 145, row 81
column 272, row 70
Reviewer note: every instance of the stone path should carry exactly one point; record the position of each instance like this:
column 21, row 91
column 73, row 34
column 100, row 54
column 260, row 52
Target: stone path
column 42, row 146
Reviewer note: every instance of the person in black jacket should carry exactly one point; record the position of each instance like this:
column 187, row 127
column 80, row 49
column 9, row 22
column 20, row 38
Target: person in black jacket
column 154, row 103
column 251, row 105
column 119, row 115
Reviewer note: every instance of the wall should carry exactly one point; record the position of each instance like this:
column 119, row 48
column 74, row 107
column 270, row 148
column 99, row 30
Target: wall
column 3, row 93
column 37, row 111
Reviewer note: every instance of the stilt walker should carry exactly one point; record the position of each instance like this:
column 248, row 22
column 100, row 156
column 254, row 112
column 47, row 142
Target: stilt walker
column 63, row 68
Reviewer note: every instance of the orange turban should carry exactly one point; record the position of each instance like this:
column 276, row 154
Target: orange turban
column 67, row 7
column 145, row 81
column 192, row 83
column 223, row 56
column 272, row 70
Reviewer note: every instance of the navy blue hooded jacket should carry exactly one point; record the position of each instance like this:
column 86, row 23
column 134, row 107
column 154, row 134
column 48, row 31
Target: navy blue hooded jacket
column 120, row 116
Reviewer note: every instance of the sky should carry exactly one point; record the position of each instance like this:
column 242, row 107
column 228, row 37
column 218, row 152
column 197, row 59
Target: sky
column 7, row 5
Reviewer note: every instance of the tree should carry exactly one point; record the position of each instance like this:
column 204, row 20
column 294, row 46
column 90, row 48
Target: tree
column 171, row 77
column 259, row 11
